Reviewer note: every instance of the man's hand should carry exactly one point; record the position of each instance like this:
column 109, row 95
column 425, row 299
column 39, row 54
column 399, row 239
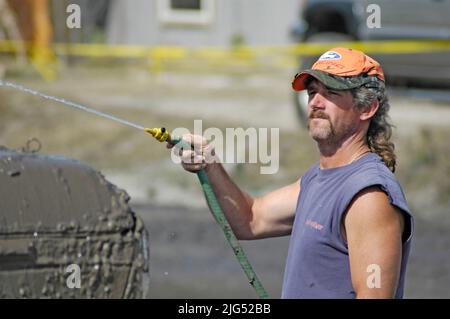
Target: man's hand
column 199, row 156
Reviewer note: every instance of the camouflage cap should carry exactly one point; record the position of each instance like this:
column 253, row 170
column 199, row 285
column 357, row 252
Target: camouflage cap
column 342, row 82
column 343, row 69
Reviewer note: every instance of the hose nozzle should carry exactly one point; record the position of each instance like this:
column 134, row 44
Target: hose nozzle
column 160, row 134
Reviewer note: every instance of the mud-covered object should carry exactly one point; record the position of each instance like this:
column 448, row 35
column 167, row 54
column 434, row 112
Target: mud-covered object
column 66, row 232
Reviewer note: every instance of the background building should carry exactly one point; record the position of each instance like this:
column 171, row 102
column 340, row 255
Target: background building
column 201, row 22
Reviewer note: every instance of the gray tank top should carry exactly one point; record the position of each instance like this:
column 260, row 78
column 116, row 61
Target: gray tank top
column 317, row 264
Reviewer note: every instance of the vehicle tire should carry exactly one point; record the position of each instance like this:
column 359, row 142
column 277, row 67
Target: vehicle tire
column 301, row 98
column 58, row 213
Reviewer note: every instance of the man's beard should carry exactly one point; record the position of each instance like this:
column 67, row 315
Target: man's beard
column 323, row 130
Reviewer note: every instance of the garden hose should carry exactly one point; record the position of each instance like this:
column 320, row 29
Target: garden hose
column 162, row 135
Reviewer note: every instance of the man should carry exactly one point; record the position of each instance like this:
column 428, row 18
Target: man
column 349, row 222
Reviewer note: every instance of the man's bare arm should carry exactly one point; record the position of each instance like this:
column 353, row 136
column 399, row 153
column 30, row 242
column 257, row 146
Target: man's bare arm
column 373, row 228
column 253, row 218
column 250, row 218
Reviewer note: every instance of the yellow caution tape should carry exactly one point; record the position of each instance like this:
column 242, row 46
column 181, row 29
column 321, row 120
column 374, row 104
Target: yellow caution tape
column 287, row 55
column 240, row 52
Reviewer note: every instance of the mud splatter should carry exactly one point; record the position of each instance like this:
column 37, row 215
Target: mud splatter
column 56, row 212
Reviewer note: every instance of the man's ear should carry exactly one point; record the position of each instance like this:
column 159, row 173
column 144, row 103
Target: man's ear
column 368, row 112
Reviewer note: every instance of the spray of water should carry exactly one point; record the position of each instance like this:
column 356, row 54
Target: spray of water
column 69, row 103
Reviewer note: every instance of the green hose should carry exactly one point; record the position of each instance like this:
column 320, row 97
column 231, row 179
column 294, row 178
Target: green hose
column 229, row 234
column 226, row 228
column 162, row 135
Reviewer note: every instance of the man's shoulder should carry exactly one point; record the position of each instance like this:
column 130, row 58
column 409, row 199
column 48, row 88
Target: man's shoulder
column 372, row 168
column 375, row 174
column 367, row 171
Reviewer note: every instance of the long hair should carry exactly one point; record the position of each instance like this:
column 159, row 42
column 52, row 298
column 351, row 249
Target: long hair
column 380, row 129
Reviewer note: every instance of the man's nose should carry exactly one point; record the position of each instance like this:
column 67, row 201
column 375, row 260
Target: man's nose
column 317, row 101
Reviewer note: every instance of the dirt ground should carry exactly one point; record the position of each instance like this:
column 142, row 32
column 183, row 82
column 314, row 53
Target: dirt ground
column 189, row 256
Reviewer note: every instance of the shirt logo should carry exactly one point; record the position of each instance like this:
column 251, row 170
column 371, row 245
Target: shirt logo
column 330, row 55
column 313, row 224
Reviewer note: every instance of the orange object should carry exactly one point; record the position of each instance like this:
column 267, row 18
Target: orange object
column 35, row 25
column 340, row 62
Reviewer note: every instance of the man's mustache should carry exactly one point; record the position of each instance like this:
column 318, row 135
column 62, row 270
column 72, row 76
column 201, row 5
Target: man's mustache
column 318, row 114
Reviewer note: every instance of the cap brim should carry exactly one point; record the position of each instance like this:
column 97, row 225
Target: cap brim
column 335, row 83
